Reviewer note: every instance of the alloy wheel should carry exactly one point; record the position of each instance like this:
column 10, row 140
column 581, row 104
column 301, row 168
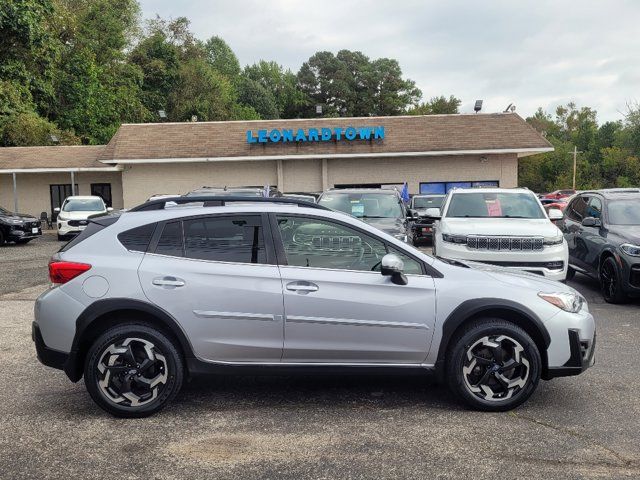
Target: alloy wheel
column 608, row 279
column 132, row 373
column 495, row 368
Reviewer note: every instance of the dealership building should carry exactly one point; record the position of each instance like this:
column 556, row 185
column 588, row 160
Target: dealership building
column 431, row 153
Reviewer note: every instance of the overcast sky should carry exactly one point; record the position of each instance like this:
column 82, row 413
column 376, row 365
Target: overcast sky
column 543, row 54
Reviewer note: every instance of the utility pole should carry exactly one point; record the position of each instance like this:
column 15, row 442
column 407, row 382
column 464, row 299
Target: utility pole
column 575, row 164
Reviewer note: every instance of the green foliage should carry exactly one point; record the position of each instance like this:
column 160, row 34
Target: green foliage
column 609, row 154
column 222, row 58
column 25, row 129
column 254, row 95
column 437, row 105
column 281, row 83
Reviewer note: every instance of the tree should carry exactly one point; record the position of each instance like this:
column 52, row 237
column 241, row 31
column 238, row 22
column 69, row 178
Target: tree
column 27, row 128
column 281, row 84
column 437, row 105
column 254, row 95
column 222, row 58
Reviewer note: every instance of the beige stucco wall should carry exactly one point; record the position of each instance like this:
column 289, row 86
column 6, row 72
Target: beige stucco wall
column 302, row 176
column 141, row 181
column 415, row 170
column 34, row 193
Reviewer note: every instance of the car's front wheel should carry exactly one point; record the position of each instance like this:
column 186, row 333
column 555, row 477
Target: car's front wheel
column 611, row 281
column 493, row 365
column 133, row 370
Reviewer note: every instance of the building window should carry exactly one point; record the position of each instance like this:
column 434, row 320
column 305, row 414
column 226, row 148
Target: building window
column 444, row 187
column 102, row 190
column 58, row 193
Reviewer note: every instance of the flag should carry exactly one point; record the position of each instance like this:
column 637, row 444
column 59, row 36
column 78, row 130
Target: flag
column 405, row 193
column 266, row 191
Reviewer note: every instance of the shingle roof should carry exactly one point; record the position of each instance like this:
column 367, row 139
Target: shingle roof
column 432, row 133
column 54, row 157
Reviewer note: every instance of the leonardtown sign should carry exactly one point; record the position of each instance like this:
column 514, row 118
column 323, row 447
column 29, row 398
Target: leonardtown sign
column 284, row 135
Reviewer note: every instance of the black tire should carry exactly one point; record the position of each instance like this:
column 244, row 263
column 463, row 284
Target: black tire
column 464, row 375
column 570, row 273
column 611, row 281
column 153, row 385
column 1, row 238
column 61, row 238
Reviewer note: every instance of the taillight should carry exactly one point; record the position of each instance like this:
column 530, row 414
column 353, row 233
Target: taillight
column 62, row 272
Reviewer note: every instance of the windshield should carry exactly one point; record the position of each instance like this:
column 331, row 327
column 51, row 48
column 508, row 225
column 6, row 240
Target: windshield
column 83, row 205
column 624, row 212
column 494, row 205
column 363, row 205
column 427, row 202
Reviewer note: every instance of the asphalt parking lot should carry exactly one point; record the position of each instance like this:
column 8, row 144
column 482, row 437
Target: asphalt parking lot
column 314, row 427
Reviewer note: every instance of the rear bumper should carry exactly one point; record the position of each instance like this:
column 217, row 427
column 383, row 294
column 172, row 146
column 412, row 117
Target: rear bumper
column 47, row 356
column 580, row 358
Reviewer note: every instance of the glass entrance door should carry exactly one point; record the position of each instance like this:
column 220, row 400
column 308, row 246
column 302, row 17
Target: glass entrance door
column 58, row 194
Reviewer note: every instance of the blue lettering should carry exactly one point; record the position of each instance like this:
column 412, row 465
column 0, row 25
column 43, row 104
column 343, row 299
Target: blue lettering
column 365, row 133
column 300, row 136
column 326, row 134
column 274, row 135
column 350, row 133
column 378, row 132
column 338, row 132
column 287, row 135
column 250, row 137
column 262, row 136
column 313, row 135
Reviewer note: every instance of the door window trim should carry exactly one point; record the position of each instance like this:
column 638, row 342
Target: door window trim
column 427, row 270
column 264, row 223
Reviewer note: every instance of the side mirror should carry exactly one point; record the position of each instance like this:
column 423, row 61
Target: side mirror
column 412, row 214
column 433, row 213
column 591, row 222
column 57, row 209
column 109, row 209
column 555, row 214
column 393, row 266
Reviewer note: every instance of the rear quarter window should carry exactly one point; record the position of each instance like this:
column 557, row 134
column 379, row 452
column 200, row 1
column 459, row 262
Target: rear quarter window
column 137, row 239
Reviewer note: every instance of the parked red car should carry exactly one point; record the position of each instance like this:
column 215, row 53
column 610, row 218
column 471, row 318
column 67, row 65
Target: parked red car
column 558, row 194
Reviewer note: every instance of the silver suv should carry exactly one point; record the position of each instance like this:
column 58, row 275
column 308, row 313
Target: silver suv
column 143, row 300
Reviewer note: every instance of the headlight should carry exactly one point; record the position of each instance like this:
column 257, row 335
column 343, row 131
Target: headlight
column 454, row 238
column 401, row 236
column 15, row 221
column 553, row 240
column 62, row 217
column 629, row 249
column 569, row 302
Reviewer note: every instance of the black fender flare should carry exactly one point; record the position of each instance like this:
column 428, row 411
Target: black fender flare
column 476, row 307
column 74, row 365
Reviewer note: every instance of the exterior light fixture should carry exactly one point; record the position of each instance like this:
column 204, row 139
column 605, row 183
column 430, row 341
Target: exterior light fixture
column 162, row 114
column 478, row 106
column 318, row 109
column 54, row 138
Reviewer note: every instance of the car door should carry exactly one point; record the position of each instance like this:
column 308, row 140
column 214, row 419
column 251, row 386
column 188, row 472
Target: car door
column 217, row 278
column 339, row 309
column 592, row 236
column 572, row 226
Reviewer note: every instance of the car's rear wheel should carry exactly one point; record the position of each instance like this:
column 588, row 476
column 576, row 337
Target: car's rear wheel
column 493, row 365
column 1, row 238
column 133, row 370
column 611, row 281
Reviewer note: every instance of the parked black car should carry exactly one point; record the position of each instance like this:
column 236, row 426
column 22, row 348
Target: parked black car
column 382, row 208
column 602, row 229
column 422, row 228
column 18, row 227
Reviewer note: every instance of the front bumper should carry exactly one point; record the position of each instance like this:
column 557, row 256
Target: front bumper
column 528, row 261
column 422, row 229
column 24, row 232
column 71, row 227
column 582, row 357
column 47, row 356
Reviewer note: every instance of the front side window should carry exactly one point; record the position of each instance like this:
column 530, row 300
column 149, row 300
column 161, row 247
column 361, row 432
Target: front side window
column 237, row 239
column 594, row 208
column 364, row 205
column 316, row 243
column 494, row 205
column 83, row 205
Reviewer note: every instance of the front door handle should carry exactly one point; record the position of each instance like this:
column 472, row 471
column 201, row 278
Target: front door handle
column 302, row 287
column 168, row 282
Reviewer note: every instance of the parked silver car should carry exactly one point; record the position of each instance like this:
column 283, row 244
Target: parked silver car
column 144, row 299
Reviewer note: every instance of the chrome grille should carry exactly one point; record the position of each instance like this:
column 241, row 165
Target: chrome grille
column 477, row 242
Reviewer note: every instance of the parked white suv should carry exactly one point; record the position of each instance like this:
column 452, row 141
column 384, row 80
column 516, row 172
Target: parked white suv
column 499, row 226
column 73, row 216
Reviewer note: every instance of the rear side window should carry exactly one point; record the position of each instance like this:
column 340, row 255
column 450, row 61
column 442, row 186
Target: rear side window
column 170, row 242
column 236, row 239
column 137, row 239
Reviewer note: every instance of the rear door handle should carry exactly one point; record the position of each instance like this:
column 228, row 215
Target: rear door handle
column 168, row 282
column 302, row 287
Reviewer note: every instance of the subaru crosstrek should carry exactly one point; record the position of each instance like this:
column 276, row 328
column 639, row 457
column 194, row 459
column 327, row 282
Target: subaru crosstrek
column 140, row 301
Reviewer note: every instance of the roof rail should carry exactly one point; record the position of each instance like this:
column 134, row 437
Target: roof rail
column 221, row 201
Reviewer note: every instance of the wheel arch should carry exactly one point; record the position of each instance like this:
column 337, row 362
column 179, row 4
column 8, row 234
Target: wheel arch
column 492, row 308
column 104, row 314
